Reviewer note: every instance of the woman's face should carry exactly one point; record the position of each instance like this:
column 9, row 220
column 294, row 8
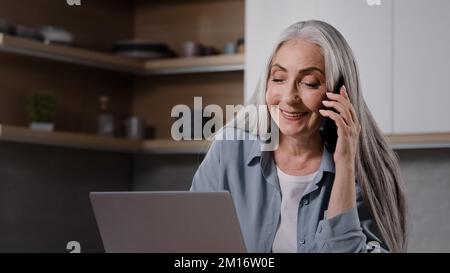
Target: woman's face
column 297, row 86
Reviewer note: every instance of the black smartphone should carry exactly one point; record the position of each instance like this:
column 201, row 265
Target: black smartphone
column 328, row 128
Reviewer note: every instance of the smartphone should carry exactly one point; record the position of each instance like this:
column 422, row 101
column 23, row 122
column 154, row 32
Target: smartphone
column 328, row 128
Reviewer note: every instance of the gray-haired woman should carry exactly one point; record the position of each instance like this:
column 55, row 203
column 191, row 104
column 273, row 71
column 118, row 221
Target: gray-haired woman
column 300, row 197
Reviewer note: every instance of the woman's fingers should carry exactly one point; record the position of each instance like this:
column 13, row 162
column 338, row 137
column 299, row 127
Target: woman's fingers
column 344, row 99
column 343, row 92
column 338, row 97
column 340, row 123
column 352, row 109
column 341, row 109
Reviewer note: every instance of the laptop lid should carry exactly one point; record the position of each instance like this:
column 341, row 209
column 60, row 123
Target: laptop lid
column 167, row 222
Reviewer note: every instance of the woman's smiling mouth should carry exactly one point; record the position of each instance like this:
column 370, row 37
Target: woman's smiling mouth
column 293, row 115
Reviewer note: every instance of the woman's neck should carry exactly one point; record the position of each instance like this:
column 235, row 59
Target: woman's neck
column 299, row 155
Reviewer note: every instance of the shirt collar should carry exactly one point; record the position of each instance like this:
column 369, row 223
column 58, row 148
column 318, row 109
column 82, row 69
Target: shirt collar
column 269, row 168
column 255, row 151
column 326, row 164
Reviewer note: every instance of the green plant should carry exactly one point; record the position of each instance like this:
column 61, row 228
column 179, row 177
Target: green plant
column 41, row 107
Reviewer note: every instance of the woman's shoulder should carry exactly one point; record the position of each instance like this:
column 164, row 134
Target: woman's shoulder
column 234, row 134
column 232, row 142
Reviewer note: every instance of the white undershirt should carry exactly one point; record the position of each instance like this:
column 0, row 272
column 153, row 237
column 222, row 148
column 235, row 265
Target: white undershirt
column 292, row 189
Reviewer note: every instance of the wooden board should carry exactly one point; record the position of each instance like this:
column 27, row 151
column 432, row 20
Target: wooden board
column 68, row 54
column 98, row 59
column 420, row 141
column 217, row 63
column 66, row 139
column 161, row 146
column 90, row 141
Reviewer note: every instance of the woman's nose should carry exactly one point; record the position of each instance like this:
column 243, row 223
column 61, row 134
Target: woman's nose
column 293, row 95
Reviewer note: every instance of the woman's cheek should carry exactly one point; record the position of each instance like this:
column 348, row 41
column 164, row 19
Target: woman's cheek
column 314, row 102
column 271, row 97
column 272, row 105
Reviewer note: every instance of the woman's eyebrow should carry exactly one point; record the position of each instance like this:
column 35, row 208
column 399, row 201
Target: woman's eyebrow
column 310, row 69
column 302, row 71
column 279, row 66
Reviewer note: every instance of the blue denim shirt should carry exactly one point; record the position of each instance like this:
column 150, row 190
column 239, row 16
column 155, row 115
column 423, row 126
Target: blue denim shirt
column 250, row 175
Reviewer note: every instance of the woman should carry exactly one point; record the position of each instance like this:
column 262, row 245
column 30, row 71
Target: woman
column 300, row 197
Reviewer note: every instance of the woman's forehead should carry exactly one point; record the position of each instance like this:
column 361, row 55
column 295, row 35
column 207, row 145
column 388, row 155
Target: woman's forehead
column 297, row 54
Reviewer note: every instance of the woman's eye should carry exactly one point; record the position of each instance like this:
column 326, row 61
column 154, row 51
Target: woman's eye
column 277, row 80
column 311, row 85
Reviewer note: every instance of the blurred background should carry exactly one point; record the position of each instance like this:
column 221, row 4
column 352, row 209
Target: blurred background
column 87, row 88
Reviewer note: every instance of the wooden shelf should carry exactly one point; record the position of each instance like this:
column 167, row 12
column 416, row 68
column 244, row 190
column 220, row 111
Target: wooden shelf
column 419, row 141
column 217, row 63
column 25, row 135
column 90, row 141
column 69, row 54
column 107, row 61
column 175, row 147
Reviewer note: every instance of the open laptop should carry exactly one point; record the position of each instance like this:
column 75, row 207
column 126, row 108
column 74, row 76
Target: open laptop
column 167, row 222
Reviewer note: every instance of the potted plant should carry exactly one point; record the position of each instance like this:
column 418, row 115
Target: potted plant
column 42, row 109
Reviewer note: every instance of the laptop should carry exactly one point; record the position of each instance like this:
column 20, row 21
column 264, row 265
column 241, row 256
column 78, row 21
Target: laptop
column 177, row 221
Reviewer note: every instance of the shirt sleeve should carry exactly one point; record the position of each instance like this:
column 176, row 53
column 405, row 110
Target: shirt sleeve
column 206, row 178
column 352, row 231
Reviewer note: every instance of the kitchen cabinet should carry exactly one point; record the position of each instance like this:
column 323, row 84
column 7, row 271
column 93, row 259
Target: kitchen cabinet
column 421, row 66
column 401, row 47
column 368, row 30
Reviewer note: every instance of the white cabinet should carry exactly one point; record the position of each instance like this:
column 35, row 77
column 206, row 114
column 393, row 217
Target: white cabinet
column 421, row 66
column 368, row 30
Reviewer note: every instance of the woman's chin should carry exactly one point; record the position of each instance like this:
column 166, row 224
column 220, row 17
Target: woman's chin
column 298, row 130
column 291, row 132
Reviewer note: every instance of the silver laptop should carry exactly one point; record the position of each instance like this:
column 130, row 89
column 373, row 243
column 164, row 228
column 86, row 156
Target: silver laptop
column 167, row 222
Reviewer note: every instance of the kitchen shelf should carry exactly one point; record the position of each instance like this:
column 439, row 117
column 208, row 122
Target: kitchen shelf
column 65, row 139
column 217, row 63
column 419, row 141
column 90, row 141
column 69, row 54
column 175, row 147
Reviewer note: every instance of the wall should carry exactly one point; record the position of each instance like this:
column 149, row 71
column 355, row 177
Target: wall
column 164, row 172
column 44, row 195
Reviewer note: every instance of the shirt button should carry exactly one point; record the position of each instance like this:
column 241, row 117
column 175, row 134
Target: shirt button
column 302, row 242
column 305, row 202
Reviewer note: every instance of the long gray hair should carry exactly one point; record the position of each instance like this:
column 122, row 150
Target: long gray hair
column 377, row 167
